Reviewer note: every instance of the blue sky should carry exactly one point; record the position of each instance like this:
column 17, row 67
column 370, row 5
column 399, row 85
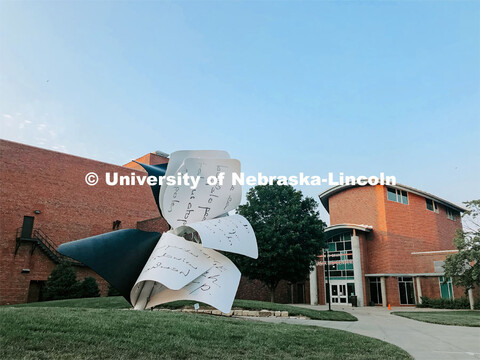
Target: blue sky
column 286, row 87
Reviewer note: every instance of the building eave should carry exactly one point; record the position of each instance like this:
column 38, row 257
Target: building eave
column 339, row 228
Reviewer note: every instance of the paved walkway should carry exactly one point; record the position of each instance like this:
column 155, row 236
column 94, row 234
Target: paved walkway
column 422, row 340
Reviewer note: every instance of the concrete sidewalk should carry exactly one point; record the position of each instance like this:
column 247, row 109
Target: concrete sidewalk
column 422, row 340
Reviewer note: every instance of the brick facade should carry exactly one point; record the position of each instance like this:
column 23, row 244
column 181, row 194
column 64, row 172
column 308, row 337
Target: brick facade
column 405, row 239
column 52, row 183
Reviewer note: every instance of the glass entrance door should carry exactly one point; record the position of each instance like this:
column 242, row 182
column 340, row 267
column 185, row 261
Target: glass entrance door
column 339, row 292
column 407, row 290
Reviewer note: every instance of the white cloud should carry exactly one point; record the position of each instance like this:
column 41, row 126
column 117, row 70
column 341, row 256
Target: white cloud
column 35, row 126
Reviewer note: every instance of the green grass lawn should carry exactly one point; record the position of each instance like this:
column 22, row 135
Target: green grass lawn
column 460, row 318
column 111, row 302
column 79, row 332
column 119, row 302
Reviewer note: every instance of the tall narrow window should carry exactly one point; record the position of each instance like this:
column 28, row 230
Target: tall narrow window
column 341, row 257
column 431, row 205
column 451, row 214
column 446, row 290
column 375, row 290
column 407, row 290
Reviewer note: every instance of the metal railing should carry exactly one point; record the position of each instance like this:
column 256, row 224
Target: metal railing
column 40, row 239
column 44, row 239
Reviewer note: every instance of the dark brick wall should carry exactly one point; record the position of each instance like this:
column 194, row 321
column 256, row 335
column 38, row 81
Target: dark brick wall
column 285, row 293
column 256, row 290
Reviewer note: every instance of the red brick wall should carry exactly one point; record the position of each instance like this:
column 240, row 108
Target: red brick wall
column 355, row 206
column 256, row 290
column 430, row 287
column 431, row 231
column 398, row 229
column 158, row 224
column 365, row 206
column 424, row 263
column 392, row 290
column 149, row 159
column 37, row 179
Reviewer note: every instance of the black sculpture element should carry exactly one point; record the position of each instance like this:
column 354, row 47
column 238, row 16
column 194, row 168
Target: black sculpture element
column 117, row 256
column 155, row 170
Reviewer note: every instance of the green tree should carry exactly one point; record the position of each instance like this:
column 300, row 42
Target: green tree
column 289, row 235
column 62, row 283
column 464, row 266
column 89, row 288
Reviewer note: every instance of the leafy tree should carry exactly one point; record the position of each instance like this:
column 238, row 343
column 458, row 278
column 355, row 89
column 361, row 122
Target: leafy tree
column 289, row 234
column 89, row 288
column 464, row 266
column 62, row 283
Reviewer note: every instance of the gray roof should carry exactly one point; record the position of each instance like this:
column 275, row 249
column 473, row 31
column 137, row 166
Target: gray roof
column 324, row 196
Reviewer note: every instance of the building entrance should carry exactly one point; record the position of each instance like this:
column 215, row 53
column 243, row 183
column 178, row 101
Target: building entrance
column 341, row 290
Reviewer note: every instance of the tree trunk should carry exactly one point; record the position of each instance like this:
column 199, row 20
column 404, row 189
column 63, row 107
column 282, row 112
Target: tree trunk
column 272, row 289
column 470, row 299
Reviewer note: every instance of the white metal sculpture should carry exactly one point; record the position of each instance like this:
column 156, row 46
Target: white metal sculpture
column 185, row 264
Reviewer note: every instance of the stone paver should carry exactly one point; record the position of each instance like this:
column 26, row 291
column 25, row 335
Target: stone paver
column 422, row 340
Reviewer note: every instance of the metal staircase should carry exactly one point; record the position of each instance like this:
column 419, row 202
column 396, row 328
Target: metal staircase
column 44, row 243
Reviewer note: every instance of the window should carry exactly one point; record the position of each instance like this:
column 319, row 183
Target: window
column 397, row 195
column 431, row 205
column 340, row 242
column 407, row 290
column 451, row 214
column 438, row 266
column 375, row 290
column 446, row 290
column 351, row 289
column 340, row 256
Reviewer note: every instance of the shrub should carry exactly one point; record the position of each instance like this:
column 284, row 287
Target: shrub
column 476, row 306
column 62, row 284
column 461, row 303
column 89, row 288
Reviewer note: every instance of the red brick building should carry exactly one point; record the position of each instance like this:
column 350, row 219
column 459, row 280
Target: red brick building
column 45, row 192
column 45, row 202
column 386, row 245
